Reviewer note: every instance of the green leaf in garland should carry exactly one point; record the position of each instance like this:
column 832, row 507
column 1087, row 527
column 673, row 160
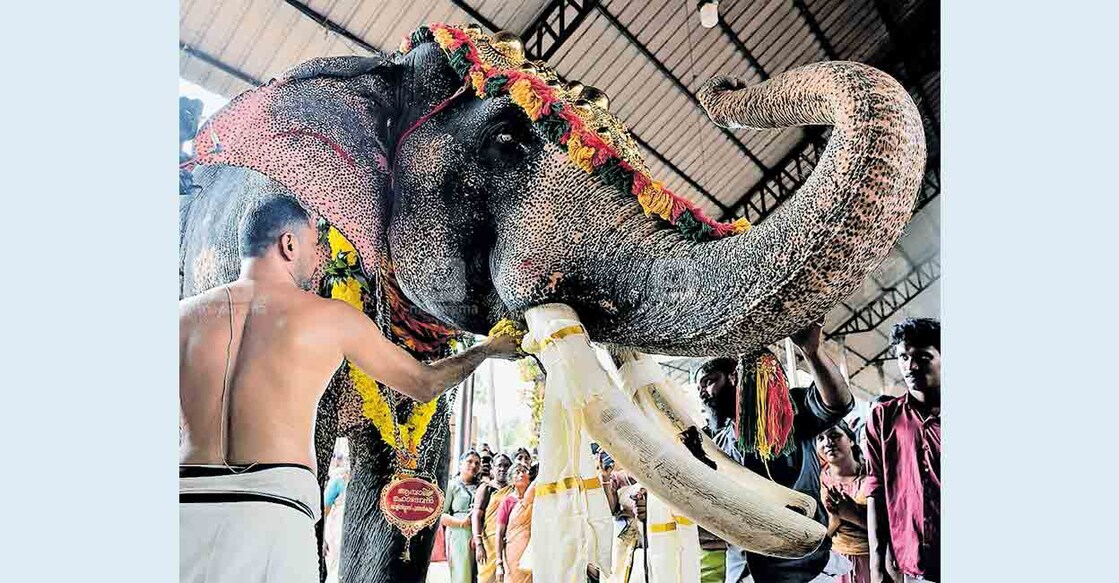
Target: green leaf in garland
column 460, row 60
column 495, row 85
column 552, row 125
column 612, row 174
column 692, row 228
column 422, row 35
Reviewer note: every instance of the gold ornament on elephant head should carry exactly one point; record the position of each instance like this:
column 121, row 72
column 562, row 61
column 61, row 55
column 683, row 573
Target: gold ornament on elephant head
column 509, row 45
column 505, row 50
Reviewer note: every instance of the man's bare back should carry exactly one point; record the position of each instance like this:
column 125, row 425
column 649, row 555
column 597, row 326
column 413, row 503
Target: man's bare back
column 286, row 345
column 265, row 364
column 283, row 355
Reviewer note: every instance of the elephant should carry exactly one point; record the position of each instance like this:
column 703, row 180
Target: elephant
column 474, row 185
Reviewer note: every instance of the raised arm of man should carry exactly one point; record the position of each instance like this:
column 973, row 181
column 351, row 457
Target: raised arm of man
column 829, row 381
column 363, row 345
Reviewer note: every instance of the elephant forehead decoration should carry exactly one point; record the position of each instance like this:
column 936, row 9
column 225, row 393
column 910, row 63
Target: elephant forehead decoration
column 570, row 115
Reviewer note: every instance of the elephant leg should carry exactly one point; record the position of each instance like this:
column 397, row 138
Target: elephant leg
column 371, row 547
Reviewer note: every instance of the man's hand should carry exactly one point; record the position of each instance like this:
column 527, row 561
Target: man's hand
column 633, row 502
column 808, row 338
column 503, row 347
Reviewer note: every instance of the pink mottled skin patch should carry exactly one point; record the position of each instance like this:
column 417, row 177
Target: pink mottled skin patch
column 349, row 160
column 382, row 162
column 553, row 281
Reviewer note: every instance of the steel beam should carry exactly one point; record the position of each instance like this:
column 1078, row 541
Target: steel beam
column 555, row 24
column 213, row 62
column 679, row 172
column 892, row 299
column 613, row 20
column 476, row 15
column 904, row 48
column 738, row 44
column 814, row 27
column 877, row 360
column 332, row 26
column 780, row 182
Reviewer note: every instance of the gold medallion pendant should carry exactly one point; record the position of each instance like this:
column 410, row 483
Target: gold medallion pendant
column 411, row 504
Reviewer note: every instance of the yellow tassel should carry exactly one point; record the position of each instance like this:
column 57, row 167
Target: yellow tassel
column 522, row 94
column 741, row 225
column 579, row 154
column 478, row 80
column 655, row 201
column 443, row 37
column 762, row 392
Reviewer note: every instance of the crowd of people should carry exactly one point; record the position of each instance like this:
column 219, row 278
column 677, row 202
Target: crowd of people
column 876, row 479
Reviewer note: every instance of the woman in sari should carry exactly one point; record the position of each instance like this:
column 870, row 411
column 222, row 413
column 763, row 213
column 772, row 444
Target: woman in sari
column 456, row 518
column 841, row 481
column 487, row 500
column 514, row 527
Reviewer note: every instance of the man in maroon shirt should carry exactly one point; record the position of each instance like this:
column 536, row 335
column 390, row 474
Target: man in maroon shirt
column 903, row 461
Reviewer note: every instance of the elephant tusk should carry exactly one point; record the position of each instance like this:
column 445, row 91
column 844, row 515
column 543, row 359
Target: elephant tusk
column 661, row 401
column 735, row 512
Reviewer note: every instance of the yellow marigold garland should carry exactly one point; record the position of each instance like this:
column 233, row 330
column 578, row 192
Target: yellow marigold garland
column 478, row 80
column 507, row 327
column 523, row 95
column 579, row 154
column 655, row 201
column 374, row 406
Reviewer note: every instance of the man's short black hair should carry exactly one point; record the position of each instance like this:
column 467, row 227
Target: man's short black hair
column 263, row 224
column 917, row 332
column 724, row 365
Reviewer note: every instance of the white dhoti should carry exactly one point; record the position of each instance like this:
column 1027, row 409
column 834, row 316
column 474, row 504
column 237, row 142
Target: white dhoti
column 254, row 526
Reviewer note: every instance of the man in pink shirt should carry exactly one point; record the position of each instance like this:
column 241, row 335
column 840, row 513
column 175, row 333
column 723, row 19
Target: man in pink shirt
column 903, row 461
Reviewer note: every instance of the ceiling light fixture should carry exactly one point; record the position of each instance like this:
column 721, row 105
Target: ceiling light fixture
column 709, row 13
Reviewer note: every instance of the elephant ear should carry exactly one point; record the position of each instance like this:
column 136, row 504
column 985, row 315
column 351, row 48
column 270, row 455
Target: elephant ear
column 340, row 68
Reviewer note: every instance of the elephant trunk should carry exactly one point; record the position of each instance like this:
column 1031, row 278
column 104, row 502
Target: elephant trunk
column 733, row 295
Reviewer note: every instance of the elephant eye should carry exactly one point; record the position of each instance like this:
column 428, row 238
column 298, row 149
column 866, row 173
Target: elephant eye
column 504, row 146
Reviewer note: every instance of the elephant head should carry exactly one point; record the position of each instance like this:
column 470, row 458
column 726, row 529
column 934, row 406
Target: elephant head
column 491, row 185
column 495, row 186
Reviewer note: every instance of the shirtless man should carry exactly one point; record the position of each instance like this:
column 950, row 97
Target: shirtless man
column 255, row 356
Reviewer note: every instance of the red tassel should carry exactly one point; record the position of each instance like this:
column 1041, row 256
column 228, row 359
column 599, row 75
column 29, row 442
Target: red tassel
column 780, row 422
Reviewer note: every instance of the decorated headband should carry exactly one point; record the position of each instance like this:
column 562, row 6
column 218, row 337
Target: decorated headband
column 571, row 115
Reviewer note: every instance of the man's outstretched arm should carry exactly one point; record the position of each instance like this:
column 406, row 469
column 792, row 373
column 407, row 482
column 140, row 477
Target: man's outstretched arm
column 364, row 346
column 829, row 381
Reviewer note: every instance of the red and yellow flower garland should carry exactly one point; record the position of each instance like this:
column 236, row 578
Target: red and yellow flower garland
column 374, row 406
column 562, row 124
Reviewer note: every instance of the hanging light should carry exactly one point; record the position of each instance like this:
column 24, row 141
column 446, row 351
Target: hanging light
column 709, row 13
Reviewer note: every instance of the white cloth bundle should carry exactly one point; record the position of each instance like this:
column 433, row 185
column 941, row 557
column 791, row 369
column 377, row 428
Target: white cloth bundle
column 571, row 522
